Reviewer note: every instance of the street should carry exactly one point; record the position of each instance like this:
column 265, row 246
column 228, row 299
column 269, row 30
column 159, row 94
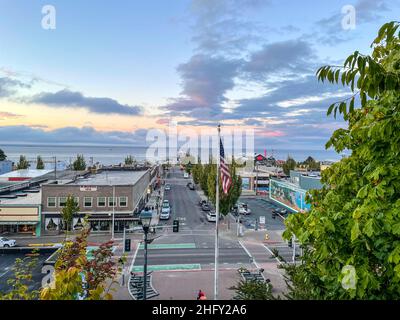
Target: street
column 195, row 231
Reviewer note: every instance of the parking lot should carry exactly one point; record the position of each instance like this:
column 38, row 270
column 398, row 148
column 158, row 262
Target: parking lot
column 7, row 262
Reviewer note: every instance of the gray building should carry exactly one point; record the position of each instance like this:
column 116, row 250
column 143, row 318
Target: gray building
column 101, row 196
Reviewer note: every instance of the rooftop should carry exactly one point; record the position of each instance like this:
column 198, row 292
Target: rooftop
column 111, row 178
column 25, row 173
column 29, row 199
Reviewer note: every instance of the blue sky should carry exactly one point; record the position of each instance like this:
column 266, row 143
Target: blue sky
column 116, row 69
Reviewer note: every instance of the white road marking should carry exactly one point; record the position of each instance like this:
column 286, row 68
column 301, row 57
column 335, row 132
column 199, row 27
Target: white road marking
column 276, row 258
column 248, row 253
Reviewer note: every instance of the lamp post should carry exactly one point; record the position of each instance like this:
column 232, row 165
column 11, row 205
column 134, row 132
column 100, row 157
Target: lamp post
column 113, row 215
column 145, row 219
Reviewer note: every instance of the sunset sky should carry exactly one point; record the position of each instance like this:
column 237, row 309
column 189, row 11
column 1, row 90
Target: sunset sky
column 111, row 70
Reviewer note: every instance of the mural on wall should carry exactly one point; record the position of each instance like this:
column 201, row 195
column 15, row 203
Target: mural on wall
column 245, row 183
column 289, row 196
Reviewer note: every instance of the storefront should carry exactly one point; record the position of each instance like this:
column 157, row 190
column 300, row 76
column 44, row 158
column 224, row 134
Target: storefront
column 20, row 219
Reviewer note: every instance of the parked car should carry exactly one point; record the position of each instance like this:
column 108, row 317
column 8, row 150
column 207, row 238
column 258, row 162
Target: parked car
column 201, row 202
column 190, row 186
column 243, row 209
column 211, row 216
column 205, row 207
column 167, row 187
column 7, row 243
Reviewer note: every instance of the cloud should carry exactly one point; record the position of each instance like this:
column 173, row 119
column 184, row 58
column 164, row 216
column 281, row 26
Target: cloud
column 71, row 135
column 291, row 56
column 73, row 99
column 9, row 115
column 9, row 86
column 205, row 80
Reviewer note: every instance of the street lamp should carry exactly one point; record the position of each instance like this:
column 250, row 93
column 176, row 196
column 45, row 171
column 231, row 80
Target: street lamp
column 145, row 219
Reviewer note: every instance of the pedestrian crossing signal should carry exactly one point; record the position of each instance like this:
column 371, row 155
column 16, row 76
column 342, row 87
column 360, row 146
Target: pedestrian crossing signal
column 175, row 227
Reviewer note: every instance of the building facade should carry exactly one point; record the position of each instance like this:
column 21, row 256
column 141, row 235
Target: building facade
column 102, row 197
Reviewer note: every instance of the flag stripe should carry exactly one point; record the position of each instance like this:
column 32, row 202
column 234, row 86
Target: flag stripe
column 225, row 174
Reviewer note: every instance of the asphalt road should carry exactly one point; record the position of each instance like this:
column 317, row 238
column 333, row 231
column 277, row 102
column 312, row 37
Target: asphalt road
column 195, row 230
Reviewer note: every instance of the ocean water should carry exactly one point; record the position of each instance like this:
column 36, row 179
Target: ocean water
column 65, row 154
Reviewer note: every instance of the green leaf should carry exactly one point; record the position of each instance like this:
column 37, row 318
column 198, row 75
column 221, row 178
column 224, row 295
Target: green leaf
column 355, row 231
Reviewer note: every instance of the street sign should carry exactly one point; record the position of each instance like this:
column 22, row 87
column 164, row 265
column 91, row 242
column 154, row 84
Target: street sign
column 127, row 245
column 262, row 220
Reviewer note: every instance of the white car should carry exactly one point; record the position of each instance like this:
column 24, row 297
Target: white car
column 211, row 216
column 7, row 243
column 165, row 210
column 186, row 175
column 243, row 209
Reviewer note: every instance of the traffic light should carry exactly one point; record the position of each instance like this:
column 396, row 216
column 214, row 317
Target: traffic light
column 127, row 245
column 175, row 227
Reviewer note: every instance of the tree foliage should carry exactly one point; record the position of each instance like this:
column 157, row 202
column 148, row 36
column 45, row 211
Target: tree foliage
column 19, row 283
column 79, row 276
column 353, row 228
column 23, row 163
column 70, row 209
column 129, row 160
column 79, row 164
column 2, row 155
column 39, row 163
column 290, row 164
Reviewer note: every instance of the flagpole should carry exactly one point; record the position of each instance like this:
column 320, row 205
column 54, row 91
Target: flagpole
column 217, row 215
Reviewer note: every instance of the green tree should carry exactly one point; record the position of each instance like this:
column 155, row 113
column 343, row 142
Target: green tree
column 23, row 163
column 290, row 164
column 352, row 232
column 79, row 164
column 311, row 164
column 22, row 279
column 252, row 290
column 70, row 209
column 39, row 163
column 2, row 155
column 129, row 160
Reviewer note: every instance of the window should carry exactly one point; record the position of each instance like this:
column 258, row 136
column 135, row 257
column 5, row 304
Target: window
column 51, row 202
column 87, row 201
column 101, row 201
column 76, row 200
column 62, row 201
column 123, row 201
column 111, row 201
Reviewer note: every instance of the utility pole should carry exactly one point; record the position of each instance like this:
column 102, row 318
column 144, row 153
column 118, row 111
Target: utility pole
column 55, row 168
column 217, row 216
column 113, row 214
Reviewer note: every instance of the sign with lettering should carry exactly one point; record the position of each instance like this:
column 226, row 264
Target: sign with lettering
column 88, row 188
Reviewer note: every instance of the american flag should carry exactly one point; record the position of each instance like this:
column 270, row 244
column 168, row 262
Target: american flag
column 225, row 175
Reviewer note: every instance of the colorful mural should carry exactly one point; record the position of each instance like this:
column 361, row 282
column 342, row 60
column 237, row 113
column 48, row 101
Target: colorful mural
column 288, row 195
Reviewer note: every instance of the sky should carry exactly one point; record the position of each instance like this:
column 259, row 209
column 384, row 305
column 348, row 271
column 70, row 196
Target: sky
column 110, row 71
